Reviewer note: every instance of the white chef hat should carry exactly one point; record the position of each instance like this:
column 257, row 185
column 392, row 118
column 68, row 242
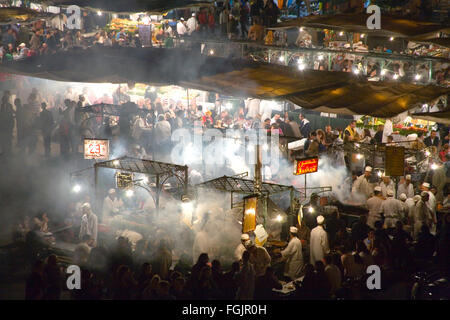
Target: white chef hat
column 390, row 193
column 86, row 205
column 426, row 185
column 111, row 191
column 245, row 237
column 369, row 169
column 377, row 188
column 320, row 219
column 293, row 229
column 403, row 197
column 408, row 177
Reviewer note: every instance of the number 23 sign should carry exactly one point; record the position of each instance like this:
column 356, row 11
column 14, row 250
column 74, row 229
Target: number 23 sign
column 96, row 149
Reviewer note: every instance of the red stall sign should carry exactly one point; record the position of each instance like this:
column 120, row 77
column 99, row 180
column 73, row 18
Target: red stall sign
column 304, row 166
column 96, row 149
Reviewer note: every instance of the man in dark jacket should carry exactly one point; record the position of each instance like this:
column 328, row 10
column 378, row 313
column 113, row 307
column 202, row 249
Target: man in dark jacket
column 305, row 126
column 432, row 140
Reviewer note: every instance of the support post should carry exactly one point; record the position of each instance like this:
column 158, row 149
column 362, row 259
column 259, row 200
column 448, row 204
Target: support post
column 158, row 192
column 96, row 202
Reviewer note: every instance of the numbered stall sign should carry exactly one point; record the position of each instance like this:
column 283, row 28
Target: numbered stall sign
column 96, row 149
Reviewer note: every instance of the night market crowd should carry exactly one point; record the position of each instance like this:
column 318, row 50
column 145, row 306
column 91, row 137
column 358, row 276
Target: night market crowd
column 403, row 229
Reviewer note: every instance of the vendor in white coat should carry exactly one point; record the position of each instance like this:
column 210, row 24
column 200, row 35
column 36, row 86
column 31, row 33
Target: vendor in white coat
column 89, row 224
column 318, row 242
column 111, row 205
column 374, row 205
column 431, row 203
column 387, row 184
column 241, row 247
column 293, row 255
column 406, row 187
column 392, row 209
column 362, row 184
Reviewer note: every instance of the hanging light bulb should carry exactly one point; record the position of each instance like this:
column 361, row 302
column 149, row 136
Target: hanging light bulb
column 281, row 58
column 320, row 57
column 301, row 66
column 383, row 72
column 341, row 33
column 391, row 39
column 362, row 35
column 417, row 76
column 395, row 76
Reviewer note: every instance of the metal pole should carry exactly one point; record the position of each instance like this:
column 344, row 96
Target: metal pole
column 96, row 206
column 186, row 180
column 158, row 191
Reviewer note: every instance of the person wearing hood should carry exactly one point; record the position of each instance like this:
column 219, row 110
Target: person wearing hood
column 408, row 207
column 431, row 203
column 241, row 247
column 318, row 242
column 293, row 255
column 422, row 213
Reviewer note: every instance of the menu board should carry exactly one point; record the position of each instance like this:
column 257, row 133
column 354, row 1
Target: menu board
column 145, row 35
column 394, row 161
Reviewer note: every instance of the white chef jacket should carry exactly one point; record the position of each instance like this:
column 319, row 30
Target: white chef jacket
column 181, row 28
column 294, row 258
column 111, row 207
column 408, row 190
column 385, row 188
column 362, row 186
column 239, row 251
column 89, row 226
column 387, row 131
column 318, row 244
column 374, row 205
column 192, row 25
column 393, row 211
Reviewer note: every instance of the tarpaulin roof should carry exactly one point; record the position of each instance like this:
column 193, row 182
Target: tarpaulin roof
column 337, row 92
column 390, row 25
column 440, row 117
column 10, row 15
column 151, row 6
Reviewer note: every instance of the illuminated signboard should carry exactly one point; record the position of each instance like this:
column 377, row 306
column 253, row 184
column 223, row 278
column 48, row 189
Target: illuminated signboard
column 124, row 180
column 304, row 166
column 96, row 149
column 249, row 218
